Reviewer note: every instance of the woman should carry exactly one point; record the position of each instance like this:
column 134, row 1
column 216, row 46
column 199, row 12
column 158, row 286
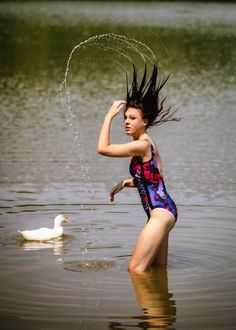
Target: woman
column 142, row 109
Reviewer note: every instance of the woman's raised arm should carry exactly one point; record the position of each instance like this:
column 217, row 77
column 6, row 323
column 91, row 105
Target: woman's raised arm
column 105, row 148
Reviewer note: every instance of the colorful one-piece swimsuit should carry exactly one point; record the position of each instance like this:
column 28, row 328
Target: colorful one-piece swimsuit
column 151, row 186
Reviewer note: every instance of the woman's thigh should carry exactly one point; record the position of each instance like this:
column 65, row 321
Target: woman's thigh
column 151, row 239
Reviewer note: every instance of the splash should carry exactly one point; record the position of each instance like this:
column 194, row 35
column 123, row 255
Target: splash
column 95, row 74
column 89, row 265
column 123, row 49
column 119, row 50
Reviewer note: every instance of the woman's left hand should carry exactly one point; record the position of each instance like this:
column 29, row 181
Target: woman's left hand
column 116, row 108
column 116, row 189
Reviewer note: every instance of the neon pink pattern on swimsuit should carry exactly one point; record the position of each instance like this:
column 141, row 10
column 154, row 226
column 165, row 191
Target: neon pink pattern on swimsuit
column 151, row 186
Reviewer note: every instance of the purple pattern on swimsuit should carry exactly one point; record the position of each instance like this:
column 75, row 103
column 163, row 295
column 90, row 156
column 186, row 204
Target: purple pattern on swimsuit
column 151, row 186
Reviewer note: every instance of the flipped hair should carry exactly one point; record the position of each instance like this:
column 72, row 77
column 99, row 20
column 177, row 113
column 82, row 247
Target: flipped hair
column 145, row 96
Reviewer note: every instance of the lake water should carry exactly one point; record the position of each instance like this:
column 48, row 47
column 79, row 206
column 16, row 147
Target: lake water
column 49, row 166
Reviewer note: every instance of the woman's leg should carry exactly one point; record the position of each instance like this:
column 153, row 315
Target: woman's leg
column 152, row 240
column 162, row 255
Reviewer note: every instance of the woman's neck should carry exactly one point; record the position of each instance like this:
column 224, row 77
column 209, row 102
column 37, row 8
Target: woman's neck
column 143, row 136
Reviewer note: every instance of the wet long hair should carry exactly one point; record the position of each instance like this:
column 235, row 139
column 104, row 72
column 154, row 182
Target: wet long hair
column 146, row 97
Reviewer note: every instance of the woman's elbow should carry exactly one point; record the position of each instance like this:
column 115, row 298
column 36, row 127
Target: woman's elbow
column 102, row 151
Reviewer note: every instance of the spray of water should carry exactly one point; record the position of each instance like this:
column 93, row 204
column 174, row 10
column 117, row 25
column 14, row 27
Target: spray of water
column 120, row 52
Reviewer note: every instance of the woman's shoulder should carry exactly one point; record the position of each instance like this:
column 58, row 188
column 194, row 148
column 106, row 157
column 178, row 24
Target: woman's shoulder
column 143, row 144
column 150, row 142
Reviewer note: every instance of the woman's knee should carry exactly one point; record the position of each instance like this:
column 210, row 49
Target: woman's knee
column 137, row 267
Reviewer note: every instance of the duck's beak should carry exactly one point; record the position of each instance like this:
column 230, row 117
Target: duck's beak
column 66, row 220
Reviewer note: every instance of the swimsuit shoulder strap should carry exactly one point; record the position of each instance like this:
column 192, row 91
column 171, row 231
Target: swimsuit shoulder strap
column 152, row 148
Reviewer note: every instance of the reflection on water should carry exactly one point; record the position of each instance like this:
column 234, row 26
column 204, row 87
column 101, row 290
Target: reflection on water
column 155, row 299
column 56, row 245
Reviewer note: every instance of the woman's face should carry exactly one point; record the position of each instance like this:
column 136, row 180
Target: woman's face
column 133, row 122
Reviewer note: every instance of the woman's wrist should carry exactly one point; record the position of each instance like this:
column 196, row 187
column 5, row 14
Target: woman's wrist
column 108, row 116
column 124, row 183
column 127, row 183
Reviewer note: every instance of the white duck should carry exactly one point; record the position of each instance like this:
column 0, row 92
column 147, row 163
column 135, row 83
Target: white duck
column 46, row 234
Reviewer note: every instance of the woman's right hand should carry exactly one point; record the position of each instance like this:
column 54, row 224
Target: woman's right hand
column 116, row 189
column 116, row 108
